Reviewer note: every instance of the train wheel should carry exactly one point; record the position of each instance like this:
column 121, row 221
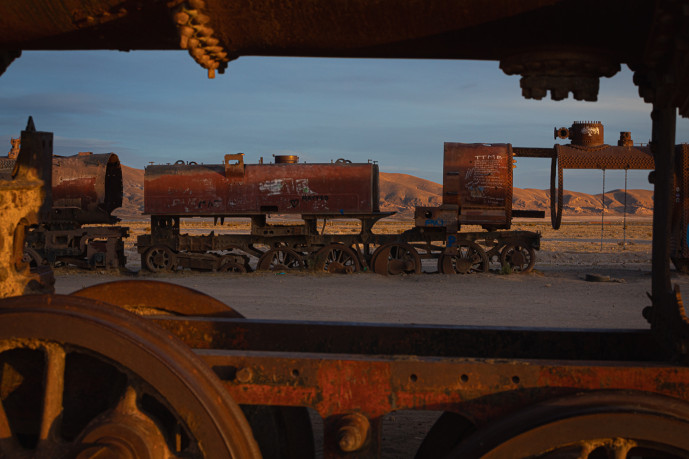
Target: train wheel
column 280, row 259
column 232, row 267
column 519, row 257
column 81, row 378
column 396, row 258
column 337, row 258
column 281, row 432
column 594, row 425
column 160, row 258
column 469, row 258
column 146, row 297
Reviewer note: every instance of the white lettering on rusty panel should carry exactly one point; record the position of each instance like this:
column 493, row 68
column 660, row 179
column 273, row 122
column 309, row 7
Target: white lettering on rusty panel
column 273, row 187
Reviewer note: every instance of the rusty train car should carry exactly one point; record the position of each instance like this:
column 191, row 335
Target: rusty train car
column 477, row 190
column 79, row 228
column 190, row 377
column 83, row 377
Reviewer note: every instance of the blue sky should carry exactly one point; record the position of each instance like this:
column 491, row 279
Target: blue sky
column 160, row 107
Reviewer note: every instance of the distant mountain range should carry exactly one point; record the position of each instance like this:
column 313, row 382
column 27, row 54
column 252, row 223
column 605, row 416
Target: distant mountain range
column 401, row 193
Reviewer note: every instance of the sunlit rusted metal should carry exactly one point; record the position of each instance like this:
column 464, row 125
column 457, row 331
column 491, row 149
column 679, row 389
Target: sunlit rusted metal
column 478, row 178
column 151, row 297
column 24, row 201
column 87, row 186
column 286, row 188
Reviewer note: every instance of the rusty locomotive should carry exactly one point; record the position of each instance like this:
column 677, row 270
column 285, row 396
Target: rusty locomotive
column 79, row 227
column 477, row 190
column 82, row 377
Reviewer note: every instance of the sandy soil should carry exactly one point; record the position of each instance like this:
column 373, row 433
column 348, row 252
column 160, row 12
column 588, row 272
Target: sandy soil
column 556, row 294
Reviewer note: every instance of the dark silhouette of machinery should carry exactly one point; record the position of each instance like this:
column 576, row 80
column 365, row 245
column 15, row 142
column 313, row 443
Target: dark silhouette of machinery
column 83, row 377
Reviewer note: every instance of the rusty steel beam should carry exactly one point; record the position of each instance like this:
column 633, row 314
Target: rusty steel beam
column 407, row 339
column 373, row 386
column 556, row 45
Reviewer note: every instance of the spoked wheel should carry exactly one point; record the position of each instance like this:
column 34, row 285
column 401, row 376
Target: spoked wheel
column 232, row 266
column 86, row 379
column 281, row 432
column 465, row 258
column 236, row 261
column 519, row 257
column 160, row 258
column 280, row 259
column 337, row 258
column 596, row 425
column 396, row 258
column 148, row 297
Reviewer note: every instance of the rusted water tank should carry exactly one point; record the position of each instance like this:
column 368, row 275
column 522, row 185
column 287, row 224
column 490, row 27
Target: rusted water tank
column 587, row 133
column 207, row 190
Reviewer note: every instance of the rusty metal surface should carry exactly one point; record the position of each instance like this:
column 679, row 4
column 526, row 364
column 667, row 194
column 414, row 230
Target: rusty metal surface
column 587, row 425
column 679, row 245
column 23, row 201
column 409, row 339
column 85, row 188
column 155, row 296
column 644, row 34
column 604, row 157
column 86, row 247
column 81, row 338
column 91, row 183
column 478, row 178
column 287, row 188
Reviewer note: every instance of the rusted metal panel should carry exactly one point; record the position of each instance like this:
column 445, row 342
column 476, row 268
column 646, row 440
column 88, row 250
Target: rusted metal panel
column 478, row 178
column 373, row 385
column 604, row 157
column 285, row 188
column 88, row 184
column 408, row 339
column 679, row 243
column 85, row 187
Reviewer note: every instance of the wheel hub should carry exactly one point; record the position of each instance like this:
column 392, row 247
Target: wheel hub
column 124, row 433
column 518, row 258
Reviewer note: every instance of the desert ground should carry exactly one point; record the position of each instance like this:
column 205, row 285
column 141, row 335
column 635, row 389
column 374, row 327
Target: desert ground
column 556, row 294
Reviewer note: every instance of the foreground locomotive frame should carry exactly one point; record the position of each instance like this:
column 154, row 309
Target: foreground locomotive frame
column 82, row 377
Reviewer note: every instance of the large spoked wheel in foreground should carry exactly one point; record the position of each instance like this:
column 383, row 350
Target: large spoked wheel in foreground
column 519, row 257
column 281, row 259
column 86, row 379
column 466, row 257
column 396, row 258
column 337, row 258
column 160, row 258
column 282, row 432
column 589, row 426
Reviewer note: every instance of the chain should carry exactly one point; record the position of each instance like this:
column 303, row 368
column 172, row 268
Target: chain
column 602, row 214
column 624, row 222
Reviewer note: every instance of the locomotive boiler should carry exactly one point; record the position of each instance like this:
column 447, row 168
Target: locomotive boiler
column 477, row 191
column 83, row 191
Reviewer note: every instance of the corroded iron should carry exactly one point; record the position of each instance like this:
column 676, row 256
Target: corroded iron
column 23, row 201
column 478, row 179
column 252, row 189
column 518, row 391
column 593, row 39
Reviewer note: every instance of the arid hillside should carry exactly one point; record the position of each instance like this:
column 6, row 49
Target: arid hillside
column 401, row 193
